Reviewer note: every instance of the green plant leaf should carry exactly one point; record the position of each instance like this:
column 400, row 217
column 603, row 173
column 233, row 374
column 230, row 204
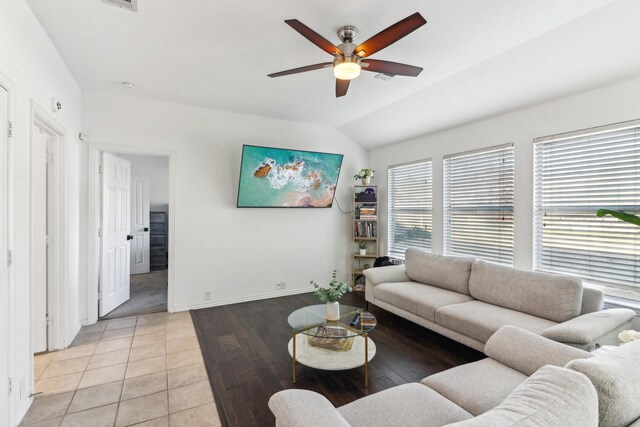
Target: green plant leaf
column 333, row 292
column 622, row 216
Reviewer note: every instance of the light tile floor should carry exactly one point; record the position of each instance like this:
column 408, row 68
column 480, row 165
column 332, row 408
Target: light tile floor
column 142, row 370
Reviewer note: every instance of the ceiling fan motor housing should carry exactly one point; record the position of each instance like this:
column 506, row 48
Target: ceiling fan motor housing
column 347, row 33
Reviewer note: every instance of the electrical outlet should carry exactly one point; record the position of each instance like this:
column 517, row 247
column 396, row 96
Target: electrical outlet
column 207, row 295
column 281, row 285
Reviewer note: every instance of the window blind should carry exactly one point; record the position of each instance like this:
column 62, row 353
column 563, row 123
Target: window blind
column 575, row 175
column 478, row 204
column 409, row 206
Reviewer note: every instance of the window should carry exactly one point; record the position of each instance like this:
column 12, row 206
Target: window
column 409, row 189
column 478, row 204
column 576, row 174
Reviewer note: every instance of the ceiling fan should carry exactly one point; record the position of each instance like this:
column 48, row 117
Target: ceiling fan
column 349, row 59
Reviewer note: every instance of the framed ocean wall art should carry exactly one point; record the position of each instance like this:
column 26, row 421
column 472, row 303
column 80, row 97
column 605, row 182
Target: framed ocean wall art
column 281, row 178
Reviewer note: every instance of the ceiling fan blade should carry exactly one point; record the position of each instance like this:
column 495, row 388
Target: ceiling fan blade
column 388, row 67
column 391, row 35
column 301, row 69
column 341, row 87
column 314, row 37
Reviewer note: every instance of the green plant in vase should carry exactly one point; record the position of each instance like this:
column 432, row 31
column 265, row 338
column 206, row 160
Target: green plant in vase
column 331, row 294
column 363, row 247
column 365, row 175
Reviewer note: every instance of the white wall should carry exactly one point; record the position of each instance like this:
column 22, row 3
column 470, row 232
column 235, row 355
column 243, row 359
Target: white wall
column 32, row 64
column 236, row 254
column 606, row 105
column 156, row 170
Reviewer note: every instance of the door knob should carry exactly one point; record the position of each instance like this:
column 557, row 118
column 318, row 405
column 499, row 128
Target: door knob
column 146, row 229
column 129, row 236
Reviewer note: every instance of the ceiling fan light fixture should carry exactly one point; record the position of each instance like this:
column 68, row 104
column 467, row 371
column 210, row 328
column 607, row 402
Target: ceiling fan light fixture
column 346, row 69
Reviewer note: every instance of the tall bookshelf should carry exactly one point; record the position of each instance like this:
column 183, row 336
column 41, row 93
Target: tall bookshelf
column 365, row 229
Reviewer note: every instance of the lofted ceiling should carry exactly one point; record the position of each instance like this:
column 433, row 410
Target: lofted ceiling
column 479, row 57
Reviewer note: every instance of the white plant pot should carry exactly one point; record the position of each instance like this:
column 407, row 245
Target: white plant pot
column 366, row 180
column 363, row 251
column 333, row 310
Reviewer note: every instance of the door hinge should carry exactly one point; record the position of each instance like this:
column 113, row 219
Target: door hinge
column 49, row 159
column 99, row 295
column 9, row 258
column 99, row 232
column 99, row 169
column 10, row 384
column 10, row 129
column 48, row 321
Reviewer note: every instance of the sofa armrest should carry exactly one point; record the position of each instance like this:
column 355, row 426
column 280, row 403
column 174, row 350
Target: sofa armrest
column 302, row 408
column 527, row 352
column 392, row 273
column 584, row 331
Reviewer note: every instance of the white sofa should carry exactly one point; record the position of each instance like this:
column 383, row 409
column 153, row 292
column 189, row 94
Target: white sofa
column 527, row 381
column 468, row 300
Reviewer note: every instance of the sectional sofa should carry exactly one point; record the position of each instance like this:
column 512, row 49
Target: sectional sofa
column 468, row 300
column 527, row 381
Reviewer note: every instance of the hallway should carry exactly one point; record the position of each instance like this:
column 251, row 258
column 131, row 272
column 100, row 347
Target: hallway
column 148, row 295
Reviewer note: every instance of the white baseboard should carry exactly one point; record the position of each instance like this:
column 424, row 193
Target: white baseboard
column 256, row 297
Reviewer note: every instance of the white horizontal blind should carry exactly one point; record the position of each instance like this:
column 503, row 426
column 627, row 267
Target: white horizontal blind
column 575, row 175
column 410, row 199
column 478, row 204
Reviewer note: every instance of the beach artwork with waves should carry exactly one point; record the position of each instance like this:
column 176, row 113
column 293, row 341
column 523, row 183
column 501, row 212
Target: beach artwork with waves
column 275, row 177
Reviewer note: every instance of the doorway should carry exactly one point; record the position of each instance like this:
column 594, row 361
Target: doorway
column 46, row 224
column 142, row 242
column 42, row 232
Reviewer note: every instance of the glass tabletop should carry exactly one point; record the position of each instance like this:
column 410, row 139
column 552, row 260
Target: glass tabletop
column 312, row 320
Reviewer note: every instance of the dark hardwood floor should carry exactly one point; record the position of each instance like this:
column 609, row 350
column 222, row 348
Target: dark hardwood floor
column 245, row 352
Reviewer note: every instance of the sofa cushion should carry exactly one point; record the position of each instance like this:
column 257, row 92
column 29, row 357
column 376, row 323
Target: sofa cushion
column 479, row 320
column 551, row 397
column 444, row 272
column 296, row 408
column 405, row 405
column 588, row 328
column 592, row 300
column 417, row 298
column 552, row 297
column 616, row 377
column 478, row 386
column 527, row 352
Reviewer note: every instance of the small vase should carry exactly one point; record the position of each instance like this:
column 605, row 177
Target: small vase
column 333, row 310
column 366, row 180
column 363, row 251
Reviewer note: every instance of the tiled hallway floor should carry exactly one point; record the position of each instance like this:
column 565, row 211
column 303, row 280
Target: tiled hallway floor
column 141, row 370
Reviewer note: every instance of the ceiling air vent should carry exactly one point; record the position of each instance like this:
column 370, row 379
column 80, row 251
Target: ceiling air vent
column 383, row 76
column 131, row 5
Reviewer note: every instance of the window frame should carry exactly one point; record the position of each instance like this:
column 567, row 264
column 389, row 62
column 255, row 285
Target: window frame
column 612, row 288
column 489, row 252
column 394, row 250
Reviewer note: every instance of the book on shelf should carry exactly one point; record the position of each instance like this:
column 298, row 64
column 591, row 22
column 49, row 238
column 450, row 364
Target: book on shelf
column 365, row 229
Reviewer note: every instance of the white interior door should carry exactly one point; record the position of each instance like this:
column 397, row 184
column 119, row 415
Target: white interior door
column 140, row 193
column 4, row 268
column 116, row 222
column 39, row 240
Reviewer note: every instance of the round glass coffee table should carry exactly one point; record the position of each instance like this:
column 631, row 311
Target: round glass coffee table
column 332, row 344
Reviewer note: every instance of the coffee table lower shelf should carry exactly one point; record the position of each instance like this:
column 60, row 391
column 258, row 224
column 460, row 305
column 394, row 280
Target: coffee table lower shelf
column 322, row 358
